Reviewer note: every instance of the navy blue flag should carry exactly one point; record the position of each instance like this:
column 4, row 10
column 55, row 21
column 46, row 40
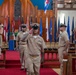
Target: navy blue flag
column 40, row 26
column 50, row 31
column 8, row 29
column 72, row 29
column 58, row 22
column 68, row 27
column 58, row 31
column 55, row 32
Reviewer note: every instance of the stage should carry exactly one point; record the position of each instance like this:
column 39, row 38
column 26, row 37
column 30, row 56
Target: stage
column 12, row 66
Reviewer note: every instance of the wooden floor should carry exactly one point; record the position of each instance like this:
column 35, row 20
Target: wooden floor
column 57, row 70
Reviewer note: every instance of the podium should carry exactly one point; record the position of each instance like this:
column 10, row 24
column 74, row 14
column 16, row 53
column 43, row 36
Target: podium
column 69, row 65
column 72, row 64
column 11, row 44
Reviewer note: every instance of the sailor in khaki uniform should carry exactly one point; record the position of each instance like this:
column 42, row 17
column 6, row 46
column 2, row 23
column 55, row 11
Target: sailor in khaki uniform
column 22, row 45
column 36, row 47
column 63, row 46
column 1, row 32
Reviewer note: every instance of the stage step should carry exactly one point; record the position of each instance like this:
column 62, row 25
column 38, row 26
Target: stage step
column 13, row 61
column 50, row 64
column 2, row 64
column 13, row 64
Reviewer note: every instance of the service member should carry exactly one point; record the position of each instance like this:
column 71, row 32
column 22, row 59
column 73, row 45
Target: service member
column 36, row 47
column 63, row 45
column 1, row 32
column 22, row 45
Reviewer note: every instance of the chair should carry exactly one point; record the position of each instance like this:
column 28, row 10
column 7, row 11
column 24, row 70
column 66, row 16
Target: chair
column 72, row 46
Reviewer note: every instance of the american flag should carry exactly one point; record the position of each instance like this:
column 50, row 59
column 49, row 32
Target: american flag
column 5, row 31
column 47, row 34
column 19, row 23
column 47, row 2
column 28, row 27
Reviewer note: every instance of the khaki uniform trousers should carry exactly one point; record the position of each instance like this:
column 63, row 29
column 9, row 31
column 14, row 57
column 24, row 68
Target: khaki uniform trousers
column 60, row 53
column 23, row 55
column 33, row 64
column 0, row 51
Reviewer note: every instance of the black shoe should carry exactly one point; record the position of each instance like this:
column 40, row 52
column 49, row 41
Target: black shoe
column 22, row 68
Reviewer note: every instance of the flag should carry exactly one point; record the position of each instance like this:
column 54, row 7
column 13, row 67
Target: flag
column 36, row 19
column 58, row 30
column 4, row 31
column 64, row 19
column 19, row 23
column 13, row 30
column 13, row 25
column 28, row 23
column 68, row 27
column 40, row 26
column 72, row 29
column 58, row 23
column 6, row 9
column 22, row 20
column 30, row 20
column 5, row 28
column 8, row 29
column 3, row 10
column 47, row 2
column 50, row 31
column 55, row 32
column 58, row 26
column 47, row 36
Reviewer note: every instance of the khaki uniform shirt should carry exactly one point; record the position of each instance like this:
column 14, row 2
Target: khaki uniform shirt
column 20, row 36
column 63, row 37
column 1, row 29
column 36, row 45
